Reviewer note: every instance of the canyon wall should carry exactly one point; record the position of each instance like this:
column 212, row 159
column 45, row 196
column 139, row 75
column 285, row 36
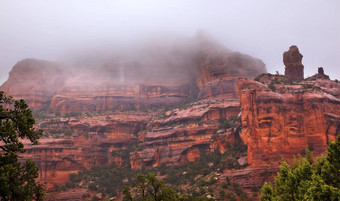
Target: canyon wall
column 130, row 139
column 136, row 116
column 281, row 120
column 134, row 111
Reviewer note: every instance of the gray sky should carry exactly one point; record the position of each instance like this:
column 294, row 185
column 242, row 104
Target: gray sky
column 49, row 29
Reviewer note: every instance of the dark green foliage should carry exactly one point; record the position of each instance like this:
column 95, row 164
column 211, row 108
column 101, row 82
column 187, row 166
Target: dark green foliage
column 237, row 189
column 267, row 192
column 95, row 198
column 110, row 179
column 148, row 187
column 17, row 179
column 227, row 181
column 272, row 87
column 305, row 180
column 222, row 193
column 231, row 196
column 225, row 185
column 233, row 121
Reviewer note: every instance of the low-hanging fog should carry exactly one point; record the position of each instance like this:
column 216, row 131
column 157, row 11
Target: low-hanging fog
column 87, row 32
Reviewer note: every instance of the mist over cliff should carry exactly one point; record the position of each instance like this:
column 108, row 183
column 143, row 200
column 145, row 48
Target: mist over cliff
column 167, row 59
column 153, row 73
column 51, row 30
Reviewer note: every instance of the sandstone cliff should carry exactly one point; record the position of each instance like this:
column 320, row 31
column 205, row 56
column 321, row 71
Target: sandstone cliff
column 282, row 120
column 136, row 139
column 125, row 114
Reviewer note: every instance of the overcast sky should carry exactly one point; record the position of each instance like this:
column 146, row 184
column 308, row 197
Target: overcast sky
column 49, row 29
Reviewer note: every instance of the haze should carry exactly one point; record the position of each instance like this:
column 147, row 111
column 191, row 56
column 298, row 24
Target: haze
column 59, row 30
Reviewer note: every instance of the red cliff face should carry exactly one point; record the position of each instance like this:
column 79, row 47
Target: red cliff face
column 281, row 121
column 180, row 135
column 168, row 137
column 82, row 142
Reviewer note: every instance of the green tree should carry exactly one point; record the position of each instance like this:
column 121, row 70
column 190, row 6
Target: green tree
column 267, row 192
column 148, row 187
column 306, row 180
column 17, row 179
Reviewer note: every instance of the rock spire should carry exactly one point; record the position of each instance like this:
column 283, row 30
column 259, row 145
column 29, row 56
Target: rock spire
column 292, row 59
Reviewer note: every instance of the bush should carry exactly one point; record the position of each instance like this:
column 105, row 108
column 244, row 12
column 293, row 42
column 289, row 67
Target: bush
column 231, row 196
column 222, row 193
column 306, row 179
column 237, row 189
column 92, row 187
column 225, row 185
column 272, row 87
column 95, row 198
column 75, row 177
column 68, row 132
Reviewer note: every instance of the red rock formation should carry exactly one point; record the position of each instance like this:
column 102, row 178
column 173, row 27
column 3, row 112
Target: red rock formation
column 284, row 122
column 292, row 59
column 36, row 81
column 181, row 134
column 219, row 68
column 175, row 137
column 82, row 142
column 319, row 76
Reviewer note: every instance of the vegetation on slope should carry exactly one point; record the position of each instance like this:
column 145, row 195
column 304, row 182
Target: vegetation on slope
column 306, row 179
column 198, row 179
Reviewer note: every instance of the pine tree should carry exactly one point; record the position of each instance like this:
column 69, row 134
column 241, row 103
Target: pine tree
column 17, row 179
column 306, row 180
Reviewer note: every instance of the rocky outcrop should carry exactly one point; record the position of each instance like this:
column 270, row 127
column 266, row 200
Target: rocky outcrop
column 125, row 114
column 219, row 68
column 140, row 139
column 182, row 134
column 292, row 59
column 35, row 81
column 319, row 76
column 123, row 111
column 282, row 121
column 82, row 142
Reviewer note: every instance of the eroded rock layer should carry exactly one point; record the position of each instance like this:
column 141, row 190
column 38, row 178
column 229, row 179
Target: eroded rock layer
column 138, row 113
column 281, row 121
column 139, row 139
